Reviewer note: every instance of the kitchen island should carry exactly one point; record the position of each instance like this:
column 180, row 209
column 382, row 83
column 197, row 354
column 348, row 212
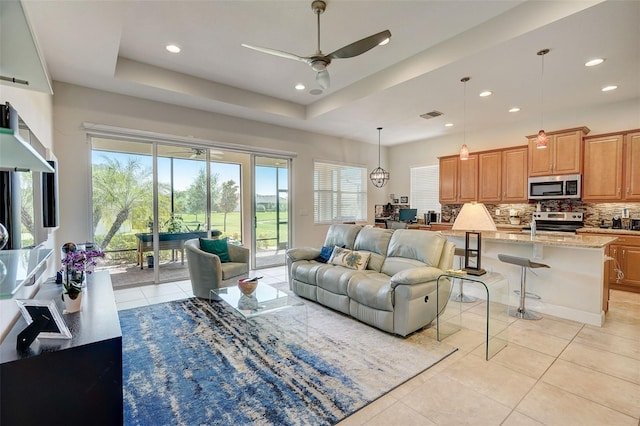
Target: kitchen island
column 572, row 288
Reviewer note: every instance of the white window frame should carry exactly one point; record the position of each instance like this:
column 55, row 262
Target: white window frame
column 339, row 192
column 425, row 188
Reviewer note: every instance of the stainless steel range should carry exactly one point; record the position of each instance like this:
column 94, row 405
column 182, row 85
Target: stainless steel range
column 557, row 221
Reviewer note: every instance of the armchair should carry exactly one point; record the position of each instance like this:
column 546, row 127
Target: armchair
column 208, row 272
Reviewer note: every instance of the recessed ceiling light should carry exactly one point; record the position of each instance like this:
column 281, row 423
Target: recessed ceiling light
column 383, row 42
column 594, row 62
column 609, row 88
column 514, row 109
column 173, row 48
column 300, row 86
column 448, row 125
column 486, row 93
column 316, row 92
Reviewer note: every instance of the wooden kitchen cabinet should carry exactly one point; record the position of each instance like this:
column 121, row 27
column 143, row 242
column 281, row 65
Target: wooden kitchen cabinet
column 514, row 175
column 449, row 180
column 468, row 179
column 562, row 156
column 612, row 167
column 602, row 178
column 458, row 179
column 626, row 251
column 490, row 177
column 632, row 166
column 502, row 176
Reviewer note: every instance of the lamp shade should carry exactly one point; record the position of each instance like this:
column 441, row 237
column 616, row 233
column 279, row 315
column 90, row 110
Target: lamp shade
column 474, row 217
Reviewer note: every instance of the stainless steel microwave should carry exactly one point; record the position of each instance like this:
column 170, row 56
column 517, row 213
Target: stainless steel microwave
column 555, row 187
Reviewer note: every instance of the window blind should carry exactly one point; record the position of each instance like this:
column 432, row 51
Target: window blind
column 425, row 189
column 340, row 193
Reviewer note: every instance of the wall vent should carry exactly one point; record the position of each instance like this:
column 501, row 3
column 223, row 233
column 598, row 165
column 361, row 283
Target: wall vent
column 432, row 114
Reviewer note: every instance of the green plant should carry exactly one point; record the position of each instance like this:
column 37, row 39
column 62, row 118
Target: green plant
column 174, row 224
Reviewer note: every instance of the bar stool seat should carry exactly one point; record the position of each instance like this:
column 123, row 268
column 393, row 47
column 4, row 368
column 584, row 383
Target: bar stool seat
column 524, row 263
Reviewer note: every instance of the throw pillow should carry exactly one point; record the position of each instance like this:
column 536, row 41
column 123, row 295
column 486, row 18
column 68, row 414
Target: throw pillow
column 217, row 247
column 325, row 254
column 350, row 258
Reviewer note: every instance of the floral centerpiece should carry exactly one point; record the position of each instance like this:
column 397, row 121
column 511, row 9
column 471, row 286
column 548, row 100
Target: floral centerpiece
column 75, row 264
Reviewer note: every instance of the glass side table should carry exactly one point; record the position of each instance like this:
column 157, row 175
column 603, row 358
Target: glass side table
column 496, row 288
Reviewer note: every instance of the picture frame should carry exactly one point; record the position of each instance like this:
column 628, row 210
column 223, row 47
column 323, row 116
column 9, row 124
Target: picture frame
column 54, row 326
column 395, row 201
column 404, row 200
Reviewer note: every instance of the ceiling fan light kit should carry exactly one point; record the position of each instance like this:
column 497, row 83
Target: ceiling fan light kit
column 319, row 61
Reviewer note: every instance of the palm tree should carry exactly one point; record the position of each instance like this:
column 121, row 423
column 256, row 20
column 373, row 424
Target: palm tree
column 117, row 189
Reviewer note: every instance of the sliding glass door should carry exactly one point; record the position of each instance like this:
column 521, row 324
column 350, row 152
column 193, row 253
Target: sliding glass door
column 271, row 211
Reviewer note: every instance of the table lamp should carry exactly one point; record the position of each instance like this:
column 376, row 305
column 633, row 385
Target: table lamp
column 473, row 218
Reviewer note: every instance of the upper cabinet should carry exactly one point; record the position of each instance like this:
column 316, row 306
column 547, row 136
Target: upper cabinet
column 488, row 177
column 458, row 179
column 514, row 175
column 449, row 180
column 612, row 167
column 562, row 156
column 21, row 64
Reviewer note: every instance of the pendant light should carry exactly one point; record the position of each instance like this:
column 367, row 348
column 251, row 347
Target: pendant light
column 541, row 140
column 464, row 150
column 379, row 176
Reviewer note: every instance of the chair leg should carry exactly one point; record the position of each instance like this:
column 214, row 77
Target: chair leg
column 520, row 311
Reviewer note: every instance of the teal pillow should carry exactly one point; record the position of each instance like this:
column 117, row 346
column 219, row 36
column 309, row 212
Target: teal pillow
column 217, row 247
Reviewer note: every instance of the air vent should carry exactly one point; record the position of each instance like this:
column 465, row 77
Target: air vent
column 432, row 114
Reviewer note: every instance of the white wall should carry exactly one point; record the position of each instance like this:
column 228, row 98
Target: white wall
column 73, row 105
column 607, row 118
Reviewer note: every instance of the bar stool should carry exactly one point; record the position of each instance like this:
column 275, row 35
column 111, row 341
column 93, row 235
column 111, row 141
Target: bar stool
column 524, row 263
column 461, row 297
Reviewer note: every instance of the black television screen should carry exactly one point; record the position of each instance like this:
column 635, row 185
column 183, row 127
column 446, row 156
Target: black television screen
column 407, row 215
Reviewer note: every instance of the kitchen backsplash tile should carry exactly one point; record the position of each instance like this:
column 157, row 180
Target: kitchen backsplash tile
column 594, row 213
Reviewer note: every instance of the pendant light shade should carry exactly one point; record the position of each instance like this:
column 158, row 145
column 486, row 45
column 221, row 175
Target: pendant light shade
column 464, row 152
column 541, row 140
column 379, row 176
column 464, row 149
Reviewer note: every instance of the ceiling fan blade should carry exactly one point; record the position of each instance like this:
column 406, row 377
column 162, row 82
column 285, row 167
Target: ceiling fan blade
column 360, row 46
column 275, row 52
column 323, row 79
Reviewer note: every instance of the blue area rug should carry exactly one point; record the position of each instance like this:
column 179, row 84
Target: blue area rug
column 192, row 362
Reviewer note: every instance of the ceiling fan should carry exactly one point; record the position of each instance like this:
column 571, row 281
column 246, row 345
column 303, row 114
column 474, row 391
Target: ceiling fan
column 319, row 61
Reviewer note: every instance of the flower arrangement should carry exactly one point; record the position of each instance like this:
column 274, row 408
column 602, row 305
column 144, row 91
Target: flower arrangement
column 74, row 265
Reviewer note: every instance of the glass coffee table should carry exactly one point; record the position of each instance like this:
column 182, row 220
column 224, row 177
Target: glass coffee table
column 264, row 300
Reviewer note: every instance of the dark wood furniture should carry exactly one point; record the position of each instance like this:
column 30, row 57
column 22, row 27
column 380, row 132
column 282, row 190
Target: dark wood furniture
column 72, row 381
column 167, row 241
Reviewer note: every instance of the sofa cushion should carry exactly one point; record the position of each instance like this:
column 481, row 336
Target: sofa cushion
column 375, row 241
column 325, row 254
column 217, row 247
column 416, row 276
column 335, row 278
column 425, row 246
column 351, row 259
column 372, row 290
column 342, row 235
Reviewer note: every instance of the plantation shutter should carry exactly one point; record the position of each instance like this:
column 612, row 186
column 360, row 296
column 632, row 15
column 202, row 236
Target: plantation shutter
column 340, row 193
column 425, row 189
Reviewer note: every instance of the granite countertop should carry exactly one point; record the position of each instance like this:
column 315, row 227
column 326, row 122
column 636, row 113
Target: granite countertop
column 609, row 231
column 569, row 240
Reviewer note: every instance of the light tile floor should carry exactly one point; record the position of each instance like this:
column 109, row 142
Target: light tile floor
column 553, row 371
